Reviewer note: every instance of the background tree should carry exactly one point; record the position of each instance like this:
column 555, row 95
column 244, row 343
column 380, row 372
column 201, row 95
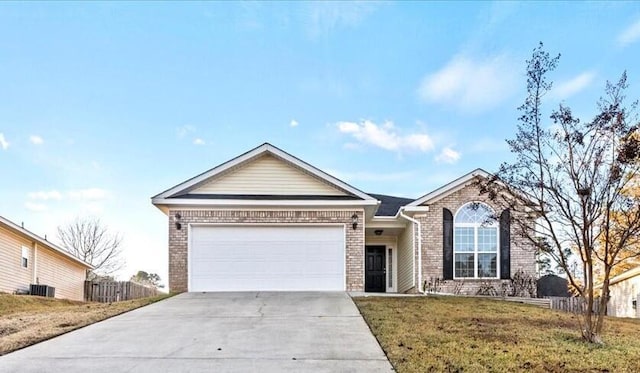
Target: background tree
column 89, row 240
column 574, row 176
column 152, row 279
column 628, row 257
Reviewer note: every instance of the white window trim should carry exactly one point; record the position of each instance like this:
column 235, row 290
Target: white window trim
column 25, row 255
column 475, row 251
column 390, row 272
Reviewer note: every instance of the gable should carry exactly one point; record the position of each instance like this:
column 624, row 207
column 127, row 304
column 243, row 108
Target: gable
column 266, row 175
column 450, row 188
column 466, row 192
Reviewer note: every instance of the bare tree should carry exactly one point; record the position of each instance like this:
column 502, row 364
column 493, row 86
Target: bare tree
column 575, row 177
column 88, row 239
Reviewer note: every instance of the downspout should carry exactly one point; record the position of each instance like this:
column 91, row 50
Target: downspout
column 35, row 263
column 414, row 248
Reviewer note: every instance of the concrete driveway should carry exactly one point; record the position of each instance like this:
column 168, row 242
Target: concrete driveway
column 217, row 332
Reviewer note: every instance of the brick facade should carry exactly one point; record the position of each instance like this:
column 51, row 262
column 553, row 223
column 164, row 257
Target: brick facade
column 354, row 240
column 522, row 252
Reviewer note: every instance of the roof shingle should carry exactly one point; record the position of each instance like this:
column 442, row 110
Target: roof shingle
column 389, row 205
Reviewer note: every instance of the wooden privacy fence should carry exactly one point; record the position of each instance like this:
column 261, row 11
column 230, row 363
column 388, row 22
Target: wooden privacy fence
column 538, row 302
column 572, row 304
column 115, row 291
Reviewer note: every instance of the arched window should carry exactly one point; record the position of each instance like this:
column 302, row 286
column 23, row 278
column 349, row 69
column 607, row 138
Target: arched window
column 475, row 242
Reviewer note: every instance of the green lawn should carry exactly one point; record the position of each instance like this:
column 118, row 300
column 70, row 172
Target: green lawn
column 456, row 334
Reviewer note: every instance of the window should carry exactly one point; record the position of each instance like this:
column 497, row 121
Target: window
column 25, row 257
column 475, row 242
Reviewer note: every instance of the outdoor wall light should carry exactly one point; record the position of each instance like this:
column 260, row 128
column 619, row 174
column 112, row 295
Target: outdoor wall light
column 378, row 232
column 177, row 219
column 354, row 221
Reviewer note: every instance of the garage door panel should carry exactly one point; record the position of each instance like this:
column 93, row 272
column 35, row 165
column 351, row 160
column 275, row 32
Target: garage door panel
column 237, row 258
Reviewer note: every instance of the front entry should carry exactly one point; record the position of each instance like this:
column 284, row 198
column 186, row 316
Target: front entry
column 375, row 270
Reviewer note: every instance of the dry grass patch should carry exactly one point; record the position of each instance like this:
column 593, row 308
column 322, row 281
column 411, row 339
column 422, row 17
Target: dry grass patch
column 455, row 334
column 25, row 320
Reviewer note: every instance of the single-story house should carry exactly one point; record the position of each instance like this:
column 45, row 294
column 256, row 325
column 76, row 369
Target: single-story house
column 27, row 259
column 267, row 220
column 624, row 294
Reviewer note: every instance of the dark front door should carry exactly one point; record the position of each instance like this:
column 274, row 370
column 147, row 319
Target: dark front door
column 375, row 273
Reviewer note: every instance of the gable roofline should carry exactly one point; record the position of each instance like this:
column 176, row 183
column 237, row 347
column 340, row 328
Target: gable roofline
column 41, row 241
column 450, row 187
column 265, row 148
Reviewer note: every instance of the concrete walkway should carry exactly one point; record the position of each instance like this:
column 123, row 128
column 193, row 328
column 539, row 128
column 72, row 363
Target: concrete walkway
column 217, row 332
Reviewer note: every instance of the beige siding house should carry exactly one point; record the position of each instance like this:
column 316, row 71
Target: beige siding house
column 624, row 294
column 267, row 220
column 26, row 259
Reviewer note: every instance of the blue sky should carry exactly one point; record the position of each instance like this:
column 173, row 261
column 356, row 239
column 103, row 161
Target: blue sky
column 103, row 105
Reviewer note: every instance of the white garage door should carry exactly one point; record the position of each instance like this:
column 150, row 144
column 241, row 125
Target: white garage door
column 245, row 258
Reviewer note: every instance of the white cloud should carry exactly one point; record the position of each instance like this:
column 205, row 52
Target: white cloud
column 294, row 123
column 386, row 136
column 470, row 85
column 448, row 155
column 198, row 141
column 185, row 130
column 629, row 35
column 36, row 140
column 572, row 86
column 35, row 207
column 89, row 194
column 4, row 144
column 43, row 195
column 325, row 16
column 419, row 141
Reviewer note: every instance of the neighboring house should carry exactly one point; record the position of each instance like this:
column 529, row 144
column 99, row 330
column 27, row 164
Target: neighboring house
column 27, row 259
column 267, row 220
column 553, row 286
column 624, row 294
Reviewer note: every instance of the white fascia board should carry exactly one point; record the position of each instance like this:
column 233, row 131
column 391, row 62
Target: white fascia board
column 385, row 222
column 166, row 205
column 450, row 187
column 633, row 272
column 385, row 218
column 403, row 208
column 253, row 202
column 262, row 149
column 415, row 209
column 43, row 243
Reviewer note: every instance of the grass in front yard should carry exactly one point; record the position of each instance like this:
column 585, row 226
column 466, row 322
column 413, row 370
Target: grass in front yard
column 25, row 320
column 455, row 334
